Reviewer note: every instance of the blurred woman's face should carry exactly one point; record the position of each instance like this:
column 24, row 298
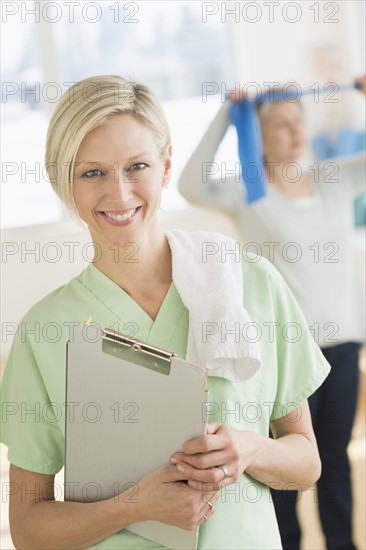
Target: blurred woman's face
column 284, row 137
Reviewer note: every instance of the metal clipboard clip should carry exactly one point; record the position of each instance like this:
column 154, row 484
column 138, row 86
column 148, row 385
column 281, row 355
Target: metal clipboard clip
column 145, row 355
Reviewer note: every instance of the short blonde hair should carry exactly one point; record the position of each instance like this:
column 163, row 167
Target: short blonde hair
column 263, row 108
column 87, row 105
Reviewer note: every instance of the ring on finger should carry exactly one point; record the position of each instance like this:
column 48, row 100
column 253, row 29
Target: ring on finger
column 212, row 507
column 223, row 469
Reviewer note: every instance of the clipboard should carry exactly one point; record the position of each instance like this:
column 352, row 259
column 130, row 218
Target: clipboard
column 129, row 406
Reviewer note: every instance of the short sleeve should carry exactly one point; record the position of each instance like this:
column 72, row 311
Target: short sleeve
column 294, row 363
column 29, row 424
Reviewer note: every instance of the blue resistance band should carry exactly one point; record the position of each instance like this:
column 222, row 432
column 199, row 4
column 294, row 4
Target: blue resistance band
column 244, row 117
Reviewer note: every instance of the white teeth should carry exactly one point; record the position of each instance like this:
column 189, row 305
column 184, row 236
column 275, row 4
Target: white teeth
column 121, row 217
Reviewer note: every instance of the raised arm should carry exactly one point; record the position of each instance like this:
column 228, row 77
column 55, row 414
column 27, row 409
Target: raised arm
column 352, row 169
column 38, row 521
column 201, row 180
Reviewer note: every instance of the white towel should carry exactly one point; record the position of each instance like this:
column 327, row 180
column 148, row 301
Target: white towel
column 210, row 282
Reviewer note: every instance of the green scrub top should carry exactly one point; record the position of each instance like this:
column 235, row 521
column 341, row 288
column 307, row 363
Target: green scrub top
column 292, row 368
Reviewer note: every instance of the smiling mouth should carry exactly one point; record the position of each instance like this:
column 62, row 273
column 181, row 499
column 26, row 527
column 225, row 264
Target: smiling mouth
column 121, row 216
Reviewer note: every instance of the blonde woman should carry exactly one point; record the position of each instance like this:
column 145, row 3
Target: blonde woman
column 109, row 156
column 304, row 226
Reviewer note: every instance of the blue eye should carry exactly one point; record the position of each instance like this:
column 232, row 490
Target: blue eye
column 137, row 166
column 92, row 174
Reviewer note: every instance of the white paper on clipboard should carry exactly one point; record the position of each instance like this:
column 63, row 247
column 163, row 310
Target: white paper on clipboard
column 129, row 406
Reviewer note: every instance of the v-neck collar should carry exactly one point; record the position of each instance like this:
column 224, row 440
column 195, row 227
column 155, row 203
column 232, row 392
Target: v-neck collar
column 126, row 310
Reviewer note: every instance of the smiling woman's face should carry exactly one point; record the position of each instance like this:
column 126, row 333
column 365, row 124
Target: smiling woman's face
column 118, row 177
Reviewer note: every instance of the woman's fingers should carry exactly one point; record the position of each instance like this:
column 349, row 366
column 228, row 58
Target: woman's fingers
column 209, row 509
column 228, row 475
column 236, row 95
column 201, row 487
column 214, row 478
column 361, row 83
column 214, row 460
column 166, row 500
column 171, row 473
column 213, row 427
column 203, row 444
column 201, row 461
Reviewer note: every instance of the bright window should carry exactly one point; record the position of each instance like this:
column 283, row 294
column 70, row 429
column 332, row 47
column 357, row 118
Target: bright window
column 163, row 44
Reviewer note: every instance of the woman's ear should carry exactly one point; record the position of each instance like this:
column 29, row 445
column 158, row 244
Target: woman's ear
column 167, row 165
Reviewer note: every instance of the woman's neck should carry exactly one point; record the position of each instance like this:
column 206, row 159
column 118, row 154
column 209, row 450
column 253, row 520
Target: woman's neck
column 139, row 267
column 288, row 178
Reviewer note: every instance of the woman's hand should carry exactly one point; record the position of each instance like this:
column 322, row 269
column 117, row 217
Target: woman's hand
column 165, row 496
column 361, row 83
column 235, row 96
column 221, row 456
column 216, row 459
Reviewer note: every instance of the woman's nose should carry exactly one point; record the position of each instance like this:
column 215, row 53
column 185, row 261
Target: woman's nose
column 120, row 186
column 297, row 127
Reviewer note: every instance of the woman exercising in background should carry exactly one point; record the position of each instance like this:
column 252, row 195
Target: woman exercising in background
column 304, row 225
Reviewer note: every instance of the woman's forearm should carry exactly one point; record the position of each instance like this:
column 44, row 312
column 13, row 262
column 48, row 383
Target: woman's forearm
column 292, row 457
column 290, row 460
column 58, row 525
column 198, row 182
column 39, row 522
